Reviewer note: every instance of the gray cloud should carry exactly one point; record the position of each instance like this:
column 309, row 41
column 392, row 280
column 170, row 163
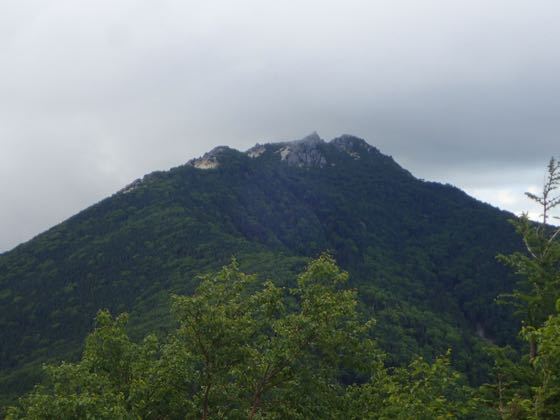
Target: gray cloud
column 95, row 94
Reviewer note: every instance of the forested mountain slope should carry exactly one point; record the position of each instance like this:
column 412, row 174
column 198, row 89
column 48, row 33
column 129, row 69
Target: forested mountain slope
column 420, row 254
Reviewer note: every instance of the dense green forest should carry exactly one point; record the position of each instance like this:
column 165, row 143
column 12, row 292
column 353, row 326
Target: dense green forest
column 243, row 348
column 414, row 327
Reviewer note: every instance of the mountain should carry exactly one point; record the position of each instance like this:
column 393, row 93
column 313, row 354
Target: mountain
column 420, row 254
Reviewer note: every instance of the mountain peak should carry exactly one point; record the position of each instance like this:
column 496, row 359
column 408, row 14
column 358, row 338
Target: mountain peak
column 310, row 139
column 304, row 152
column 309, row 151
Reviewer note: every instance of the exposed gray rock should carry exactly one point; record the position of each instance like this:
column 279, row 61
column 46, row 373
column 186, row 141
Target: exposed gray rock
column 209, row 160
column 256, row 151
column 304, row 153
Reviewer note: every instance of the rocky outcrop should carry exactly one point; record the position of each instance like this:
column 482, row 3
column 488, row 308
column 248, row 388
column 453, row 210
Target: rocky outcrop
column 256, row 151
column 304, row 153
column 209, row 160
column 308, row 152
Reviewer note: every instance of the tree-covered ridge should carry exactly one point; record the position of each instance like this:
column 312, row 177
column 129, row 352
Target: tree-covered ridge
column 421, row 255
column 247, row 349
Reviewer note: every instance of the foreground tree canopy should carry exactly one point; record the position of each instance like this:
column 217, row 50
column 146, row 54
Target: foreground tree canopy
column 243, row 349
column 530, row 386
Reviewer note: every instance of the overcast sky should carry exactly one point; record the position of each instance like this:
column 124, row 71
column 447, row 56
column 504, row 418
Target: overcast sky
column 94, row 94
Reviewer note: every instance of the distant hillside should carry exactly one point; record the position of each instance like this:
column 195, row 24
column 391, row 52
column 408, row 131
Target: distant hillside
column 421, row 254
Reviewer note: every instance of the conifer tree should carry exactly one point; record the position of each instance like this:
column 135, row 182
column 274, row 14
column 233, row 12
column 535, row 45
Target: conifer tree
column 539, row 267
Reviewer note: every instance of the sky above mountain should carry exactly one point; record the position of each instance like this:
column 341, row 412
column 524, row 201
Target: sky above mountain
column 96, row 94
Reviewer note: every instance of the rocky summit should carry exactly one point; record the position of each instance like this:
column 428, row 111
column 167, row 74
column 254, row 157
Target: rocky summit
column 306, row 152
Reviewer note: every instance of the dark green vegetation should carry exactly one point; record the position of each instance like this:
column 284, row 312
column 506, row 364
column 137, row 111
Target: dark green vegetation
column 245, row 349
column 273, row 353
column 529, row 387
column 420, row 255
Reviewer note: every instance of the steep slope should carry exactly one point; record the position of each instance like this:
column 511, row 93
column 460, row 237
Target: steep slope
column 421, row 254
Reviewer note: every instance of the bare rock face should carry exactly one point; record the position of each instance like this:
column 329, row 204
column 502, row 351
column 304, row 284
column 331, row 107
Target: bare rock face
column 256, row 151
column 308, row 152
column 205, row 163
column 304, row 153
column 209, row 160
